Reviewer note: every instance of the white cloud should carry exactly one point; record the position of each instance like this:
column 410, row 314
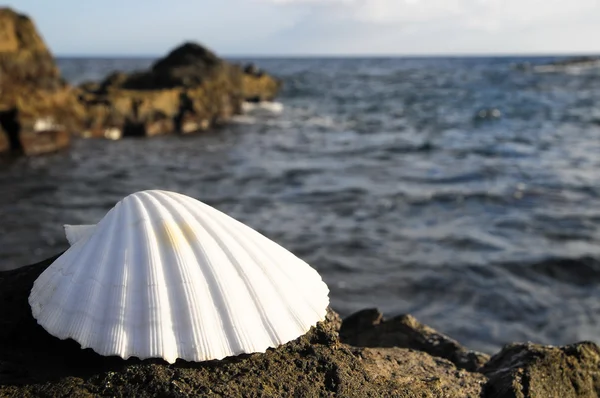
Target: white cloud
column 444, row 25
column 423, row 10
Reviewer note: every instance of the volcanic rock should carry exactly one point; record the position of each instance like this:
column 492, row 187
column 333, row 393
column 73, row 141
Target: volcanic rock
column 33, row 363
column 367, row 328
column 532, row 370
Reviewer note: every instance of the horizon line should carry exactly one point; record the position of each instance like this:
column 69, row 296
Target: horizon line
column 417, row 55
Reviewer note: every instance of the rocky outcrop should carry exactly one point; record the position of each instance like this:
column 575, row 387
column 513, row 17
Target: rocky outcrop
column 37, row 108
column 189, row 90
column 403, row 358
column 531, row 370
column 257, row 86
column 576, row 64
column 367, row 328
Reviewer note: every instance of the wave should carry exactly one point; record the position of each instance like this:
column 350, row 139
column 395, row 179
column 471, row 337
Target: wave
column 244, row 119
column 263, row 106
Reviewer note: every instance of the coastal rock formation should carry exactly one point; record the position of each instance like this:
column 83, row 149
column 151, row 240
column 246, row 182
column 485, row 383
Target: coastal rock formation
column 37, row 108
column 367, row 328
column 403, row 359
column 191, row 89
column 531, row 370
column 258, row 86
column 575, row 64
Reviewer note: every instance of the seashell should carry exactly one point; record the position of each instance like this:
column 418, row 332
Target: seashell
column 163, row 275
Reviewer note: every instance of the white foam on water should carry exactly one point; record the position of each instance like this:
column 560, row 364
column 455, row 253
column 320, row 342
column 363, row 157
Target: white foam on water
column 244, row 119
column 263, row 106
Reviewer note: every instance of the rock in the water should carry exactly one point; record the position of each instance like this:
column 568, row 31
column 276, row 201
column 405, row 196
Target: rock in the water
column 186, row 66
column 33, row 363
column 189, row 90
column 32, row 90
column 531, row 371
column 367, row 328
column 260, row 87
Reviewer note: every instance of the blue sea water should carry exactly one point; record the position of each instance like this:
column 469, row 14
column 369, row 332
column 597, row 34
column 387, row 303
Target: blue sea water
column 455, row 189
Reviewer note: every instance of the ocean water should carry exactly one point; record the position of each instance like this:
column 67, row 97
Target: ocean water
column 461, row 190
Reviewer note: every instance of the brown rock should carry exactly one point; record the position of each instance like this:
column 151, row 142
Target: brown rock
column 189, row 90
column 33, row 363
column 191, row 87
column 24, row 58
column 411, row 373
column 32, row 91
column 531, row 370
column 36, row 143
column 367, row 328
column 261, row 87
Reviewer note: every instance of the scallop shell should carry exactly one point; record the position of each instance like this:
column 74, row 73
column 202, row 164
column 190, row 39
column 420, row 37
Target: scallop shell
column 163, row 275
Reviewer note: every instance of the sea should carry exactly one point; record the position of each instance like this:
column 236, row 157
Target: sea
column 464, row 191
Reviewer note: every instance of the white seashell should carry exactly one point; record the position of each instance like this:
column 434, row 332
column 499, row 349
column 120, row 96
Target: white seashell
column 77, row 232
column 164, row 275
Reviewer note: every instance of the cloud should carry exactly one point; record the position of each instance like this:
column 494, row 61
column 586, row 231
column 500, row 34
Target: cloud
column 423, row 10
column 425, row 26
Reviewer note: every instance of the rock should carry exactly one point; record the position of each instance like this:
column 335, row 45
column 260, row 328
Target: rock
column 258, row 88
column 189, row 90
column 33, row 363
column 531, row 370
column 251, row 69
column 32, row 90
column 188, row 65
column 411, row 373
column 367, row 328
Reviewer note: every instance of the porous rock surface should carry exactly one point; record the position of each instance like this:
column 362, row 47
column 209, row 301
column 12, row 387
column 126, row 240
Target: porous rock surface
column 33, row 363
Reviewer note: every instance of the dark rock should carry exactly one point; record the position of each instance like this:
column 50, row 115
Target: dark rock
column 367, row 328
column 531, row 370
column 188, row 65
column 334, row 319
column 4, row 141
column 33, row 363
column 253, row 70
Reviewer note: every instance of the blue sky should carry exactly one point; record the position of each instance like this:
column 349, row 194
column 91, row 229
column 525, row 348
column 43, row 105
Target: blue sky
column 318, row 27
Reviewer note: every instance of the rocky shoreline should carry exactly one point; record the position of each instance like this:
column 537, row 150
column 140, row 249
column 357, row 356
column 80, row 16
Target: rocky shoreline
column 363, row 355
column 189, row 90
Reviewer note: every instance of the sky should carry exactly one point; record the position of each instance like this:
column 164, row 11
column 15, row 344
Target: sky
column 318, row 27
